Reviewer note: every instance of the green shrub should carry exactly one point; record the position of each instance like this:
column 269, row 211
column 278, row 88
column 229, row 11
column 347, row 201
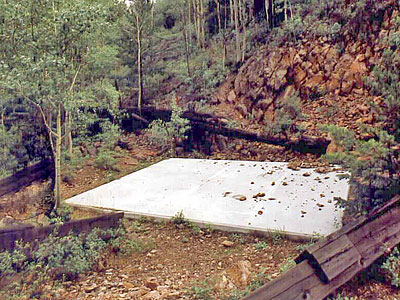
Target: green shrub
column 202, row 291
column 391, row 266
column 374, row 177
column 287, row 114
column 179, row 218
column 10, row 262
column 61, row 215
column 62, row 258
column 167, row 133
column 261, row 245
column 287, row 265
column 105, row 160
column 340, row 297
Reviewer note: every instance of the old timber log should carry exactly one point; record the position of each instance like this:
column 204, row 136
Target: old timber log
column 332, row 262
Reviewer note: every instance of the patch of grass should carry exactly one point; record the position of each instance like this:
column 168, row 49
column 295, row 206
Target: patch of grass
column 209, row 229
column 130, row 246
column 287, row 265
column 276, row 236
column 340, row 297
column 135, row 227
column 261, row 245
column 179, row 218
column 238, row 238
column 256, row 283
column 201, row 291
column 303, row 247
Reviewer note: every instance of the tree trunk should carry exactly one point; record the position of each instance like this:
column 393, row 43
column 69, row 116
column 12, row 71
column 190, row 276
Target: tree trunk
column 203, row 24
column 267, row 11
column 225, row 16
column 218, row 15
column 285, row 8
column 237, row 33
column 196, row 21
column 57, row 158
column 186, row 41
column 232, row 12
column 69, row 141
column 244, row 35
column 139, row 64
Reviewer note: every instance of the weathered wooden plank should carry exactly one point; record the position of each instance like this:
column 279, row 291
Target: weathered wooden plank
column 340, row 257
column 331, row 260
column 27, row 235
column 25, row 177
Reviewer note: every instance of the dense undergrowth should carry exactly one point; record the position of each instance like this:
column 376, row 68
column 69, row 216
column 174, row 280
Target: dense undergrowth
column 34, row 270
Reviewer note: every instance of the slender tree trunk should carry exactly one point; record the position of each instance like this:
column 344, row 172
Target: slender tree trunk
column 285, row 9
column 203, row 24
column 57, row 159
column 196, row 21
column 267, row 11
column 139, row 64
column 225, row 16
column 244, row 35
column 237, row 33
column 186, row 41
column 69, row 141
column 189, row 7
column 218, row 15
column 3, row 120
column 232, row 12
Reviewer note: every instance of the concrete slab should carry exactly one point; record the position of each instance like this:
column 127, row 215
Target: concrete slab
column 242, row 195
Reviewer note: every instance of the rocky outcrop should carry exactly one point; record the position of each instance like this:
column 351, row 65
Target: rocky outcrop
column 314, row 68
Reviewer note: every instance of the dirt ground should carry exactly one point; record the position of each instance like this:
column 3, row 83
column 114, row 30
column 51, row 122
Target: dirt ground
column 177, row 262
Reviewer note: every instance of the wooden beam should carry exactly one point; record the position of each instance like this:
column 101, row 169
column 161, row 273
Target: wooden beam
column 214, row 124
column 332, row 262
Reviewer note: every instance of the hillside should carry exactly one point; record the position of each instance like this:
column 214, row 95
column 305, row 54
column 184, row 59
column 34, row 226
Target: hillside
column 104, row 88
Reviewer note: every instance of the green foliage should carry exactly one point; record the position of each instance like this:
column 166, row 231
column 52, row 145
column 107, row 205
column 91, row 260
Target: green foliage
column 340, row 297
column 130, row 246
column 385, row 83
column 391, row 266
column 12, row 155
column 105, row 160
column 290, row 31
column 179, row 218
column 261, row 245
column 202, row 291
column 9, row 261
column 61, row 215
column 287, row 265
column 62, row 258
column 238, row 238
column 71, row 164
column 57, row 55
column 287, row 113
column 372, row 166
column 168, row 132
column 256, row 283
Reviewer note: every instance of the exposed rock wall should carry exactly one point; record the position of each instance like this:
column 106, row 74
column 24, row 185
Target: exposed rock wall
column 314, row 68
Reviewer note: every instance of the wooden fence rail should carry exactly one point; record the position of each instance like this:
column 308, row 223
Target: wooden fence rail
column 214, row 125
column 332, row 262
column 29, row 233
column 25, row 177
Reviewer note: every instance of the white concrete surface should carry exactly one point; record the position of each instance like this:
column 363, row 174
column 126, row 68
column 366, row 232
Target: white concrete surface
column 207, row 191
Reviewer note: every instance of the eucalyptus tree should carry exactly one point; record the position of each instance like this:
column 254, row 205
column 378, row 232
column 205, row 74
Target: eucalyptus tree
column 45, row 46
